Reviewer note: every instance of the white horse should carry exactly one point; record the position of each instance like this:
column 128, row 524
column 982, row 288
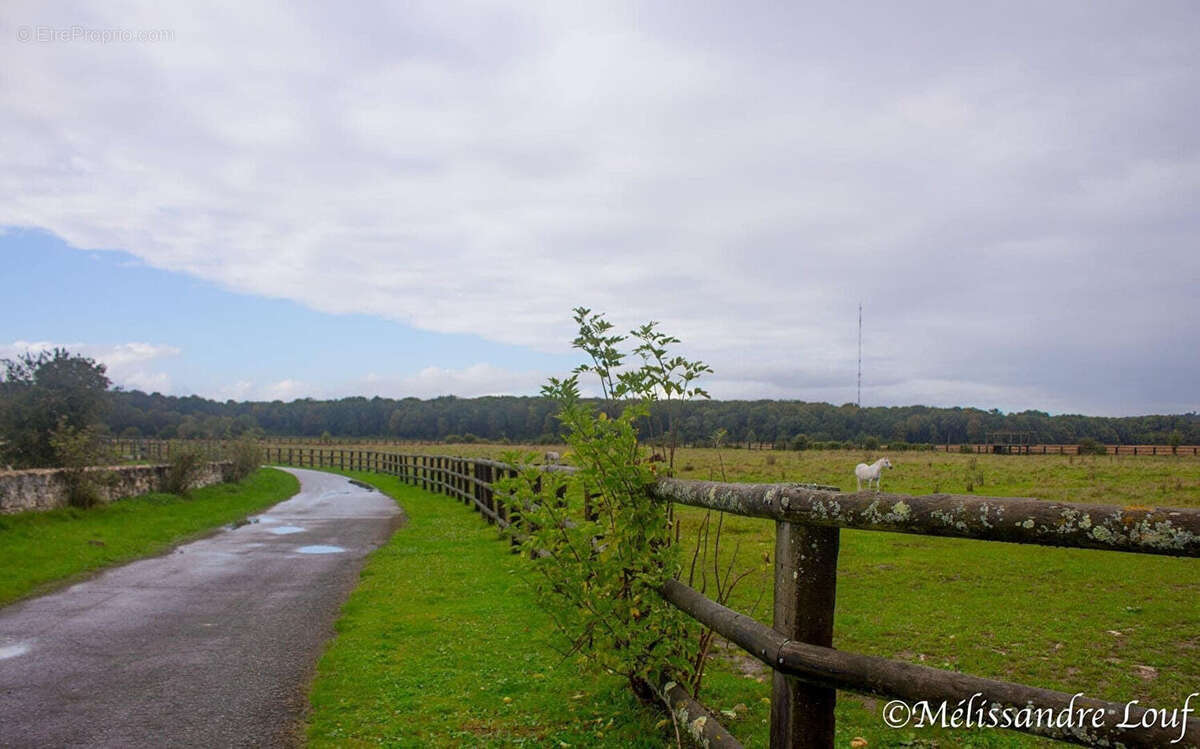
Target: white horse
column 870, row 473
column 551, row 458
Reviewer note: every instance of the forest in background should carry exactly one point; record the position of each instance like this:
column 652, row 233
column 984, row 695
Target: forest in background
column 531, row 420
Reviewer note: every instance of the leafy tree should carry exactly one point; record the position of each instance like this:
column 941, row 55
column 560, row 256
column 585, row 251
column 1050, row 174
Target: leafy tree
column 47, row 392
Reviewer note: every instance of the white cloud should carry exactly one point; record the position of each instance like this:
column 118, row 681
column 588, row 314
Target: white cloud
column 745, row 177
column 130, row 365
column 429, row 382
column 288, row 390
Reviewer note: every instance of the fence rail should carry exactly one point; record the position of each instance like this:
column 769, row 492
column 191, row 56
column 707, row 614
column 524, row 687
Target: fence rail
column 798, row 646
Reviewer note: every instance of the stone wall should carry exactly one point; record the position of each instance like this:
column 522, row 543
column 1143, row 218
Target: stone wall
column 45, row 489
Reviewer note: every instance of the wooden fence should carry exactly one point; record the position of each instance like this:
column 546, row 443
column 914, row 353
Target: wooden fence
column 799, row 647
column 1193, row 450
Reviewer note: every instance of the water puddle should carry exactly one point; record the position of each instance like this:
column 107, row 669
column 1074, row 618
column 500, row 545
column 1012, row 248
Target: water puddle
column 12, row 651
column 319, row 549
column 284, row 530
column 265, row 519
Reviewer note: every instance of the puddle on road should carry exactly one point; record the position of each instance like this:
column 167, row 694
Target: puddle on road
column 12, row 651
column 284, row 530
column 265, row 519
column 319, row 549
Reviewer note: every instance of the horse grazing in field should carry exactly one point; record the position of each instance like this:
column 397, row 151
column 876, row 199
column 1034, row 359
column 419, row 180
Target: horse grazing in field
column 870, row 473
column 551, row 458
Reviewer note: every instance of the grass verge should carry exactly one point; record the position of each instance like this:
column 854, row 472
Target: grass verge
column 441, row 644
column 41, row 549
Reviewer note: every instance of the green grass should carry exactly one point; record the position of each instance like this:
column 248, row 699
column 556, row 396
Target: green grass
column 441, row 644
column 1066, row 619
column 41, row 549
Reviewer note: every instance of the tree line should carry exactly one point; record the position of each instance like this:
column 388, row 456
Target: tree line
column 532, row 420
column 54, row 405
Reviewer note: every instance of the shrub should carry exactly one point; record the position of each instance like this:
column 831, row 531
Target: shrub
column 246, row 456
column 76, row 450
column 1089, row 446
column 799, row 442
column 183, row 470
column 966, row 449
column 770, row 460
column 870, row 443
column 600, row 577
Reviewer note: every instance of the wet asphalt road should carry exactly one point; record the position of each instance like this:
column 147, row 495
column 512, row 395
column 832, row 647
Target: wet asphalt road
column 211, row 645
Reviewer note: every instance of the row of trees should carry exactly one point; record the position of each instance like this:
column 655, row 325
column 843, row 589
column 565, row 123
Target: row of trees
column 57, row 395
column 531, row 419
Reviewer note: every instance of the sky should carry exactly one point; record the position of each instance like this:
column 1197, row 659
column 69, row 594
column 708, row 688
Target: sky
column 297, row 199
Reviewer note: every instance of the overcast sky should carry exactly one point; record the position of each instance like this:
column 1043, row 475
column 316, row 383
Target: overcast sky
column 1009, row 189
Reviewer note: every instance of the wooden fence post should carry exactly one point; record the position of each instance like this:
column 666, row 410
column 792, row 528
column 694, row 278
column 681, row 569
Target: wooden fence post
column 590, row 512
column 805, row 593
column 489, row 491
column 513, row 515
column 476, row 492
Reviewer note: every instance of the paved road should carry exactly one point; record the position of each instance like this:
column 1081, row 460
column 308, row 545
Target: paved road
column 212, row 645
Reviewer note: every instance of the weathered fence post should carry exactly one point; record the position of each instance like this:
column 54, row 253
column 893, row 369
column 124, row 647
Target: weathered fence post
column 500, row 502
column 489, row 491
column 590, row 512
column 476, row 490
column 805, row 593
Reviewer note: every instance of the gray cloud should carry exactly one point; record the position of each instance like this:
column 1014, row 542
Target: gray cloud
column 1008, row 188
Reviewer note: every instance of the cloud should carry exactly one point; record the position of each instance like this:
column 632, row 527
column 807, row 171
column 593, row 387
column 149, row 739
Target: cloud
column 469, row 382
column 129, row 365
column 1003, row 188
column 429, row 382
column 288, row 390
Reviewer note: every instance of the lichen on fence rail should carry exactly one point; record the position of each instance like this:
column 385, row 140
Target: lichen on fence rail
column 1148, row 530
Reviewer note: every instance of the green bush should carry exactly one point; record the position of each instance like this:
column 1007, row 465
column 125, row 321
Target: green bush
column 246, row 456
column 1089, row 446
column 799, row 442
column 183, row 469
column 75, row 451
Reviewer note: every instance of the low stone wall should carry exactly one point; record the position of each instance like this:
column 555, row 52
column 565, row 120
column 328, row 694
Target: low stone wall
column 45, row 489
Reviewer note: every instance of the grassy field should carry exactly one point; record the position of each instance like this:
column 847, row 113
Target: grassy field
column 441, row 645
column 1110, row 479
column 41, row 549
column 1112, row 625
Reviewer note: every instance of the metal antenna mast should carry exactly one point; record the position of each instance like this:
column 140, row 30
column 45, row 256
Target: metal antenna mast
column 859, row 401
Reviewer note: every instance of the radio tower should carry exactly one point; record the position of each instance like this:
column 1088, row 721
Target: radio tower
column 858, row 402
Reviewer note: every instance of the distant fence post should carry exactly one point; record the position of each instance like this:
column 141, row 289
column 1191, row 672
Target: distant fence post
column 805, row 594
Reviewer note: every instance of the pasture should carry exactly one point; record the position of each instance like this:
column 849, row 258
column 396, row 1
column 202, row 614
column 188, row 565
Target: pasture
column 1111, row 625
